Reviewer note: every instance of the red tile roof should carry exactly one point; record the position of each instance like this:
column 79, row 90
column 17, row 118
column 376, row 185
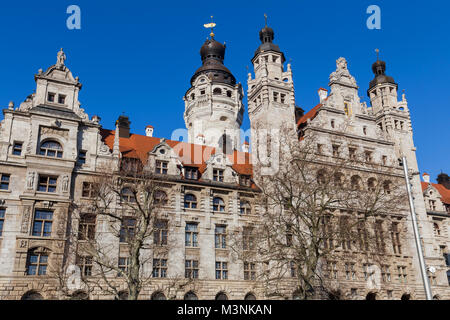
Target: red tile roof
column 443, row 191
column 195, row 155
column 311, row 114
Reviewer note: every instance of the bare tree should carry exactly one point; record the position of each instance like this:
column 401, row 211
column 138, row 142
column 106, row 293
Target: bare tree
column 122, row 227
column 317, row 209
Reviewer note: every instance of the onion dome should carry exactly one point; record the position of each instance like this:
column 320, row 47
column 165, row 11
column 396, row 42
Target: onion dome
column 379, row 69
column 212, row 53
column 266, row 35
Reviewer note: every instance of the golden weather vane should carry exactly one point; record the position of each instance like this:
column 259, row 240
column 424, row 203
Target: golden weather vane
column 378, row 53
column 211, row 25
column 265, row 18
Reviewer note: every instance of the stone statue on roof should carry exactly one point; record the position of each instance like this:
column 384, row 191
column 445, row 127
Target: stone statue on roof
column 342, row 74
column 61, row 58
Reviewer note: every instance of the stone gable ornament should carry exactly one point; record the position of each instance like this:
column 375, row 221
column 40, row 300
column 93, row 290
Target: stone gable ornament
column 30, row 180
column 61, row 58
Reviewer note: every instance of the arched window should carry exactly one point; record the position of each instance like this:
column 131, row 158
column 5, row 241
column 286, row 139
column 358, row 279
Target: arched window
column 221, row 296
column 250, row 296
column 338, row 179
column 387, row 187
column 229, row 94
column 371, row 184
column 246, row 208
column 321, row 177
column 190, row 201
column 79, row 295
column 158, row 295
column 123, row 295
column 217, row 91
column 37, row 262
column 190, row 296
column 32, row 295
column 127, row 195
column 296, row 295
column 356, row 183
column 160, row 197
column 51, row 149
column 218, row 204
column 193, row 96
column 406, row 296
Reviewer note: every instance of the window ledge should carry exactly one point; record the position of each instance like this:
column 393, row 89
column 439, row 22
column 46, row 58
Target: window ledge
column 5, row 191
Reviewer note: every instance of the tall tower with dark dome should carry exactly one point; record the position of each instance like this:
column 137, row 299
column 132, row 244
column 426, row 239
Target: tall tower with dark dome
column 213, row 104
column 271, row 96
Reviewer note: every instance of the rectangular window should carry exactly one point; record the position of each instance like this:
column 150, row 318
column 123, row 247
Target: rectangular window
column 37, row 264
column 191, row 269
column 51, row 97
column 249, row 271
column 42, row 224
column 127, row 229
column 275, row 96
column 432, row 205
column 161, row 231
column 161, row 167
column 2, row 220
column 191, row 173
column 81, row 157
column 218, row 175
column 124, row 265
column 85, row 265
column 47, row 184
column 221, row 270
column 320, row 148
column 17, row 148
column 350, row 273
column 86, row 229
column 402, row 275
column 352, row 153
column 384, row 160
column 282, row 98
column 368, row 156
column 245, row 180
column 4, row 181
column 191, row 235
column 335, row 150
column 159, row 268
column 221, row 237
column 248, row 239
column 385, row 273
column 89, row 190
column 395, row 236
column 331, row 271
column 61, row 99
column 293, row 268
column 379, row 238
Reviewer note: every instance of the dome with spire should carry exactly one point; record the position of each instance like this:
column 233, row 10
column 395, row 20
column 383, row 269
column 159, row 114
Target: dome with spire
column 379, row 69
column 212, row 54
column 266, row 35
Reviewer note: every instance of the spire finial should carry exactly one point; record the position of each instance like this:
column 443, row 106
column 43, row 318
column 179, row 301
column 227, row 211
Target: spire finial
column 265, row 18
column 378, row 54
column 211, row 25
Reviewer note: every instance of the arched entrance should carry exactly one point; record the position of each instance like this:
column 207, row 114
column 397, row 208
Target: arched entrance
column 32, row 295
column 190, row 296
column 158, row 296
column 221, row 296
column 371, row 296
column 406, row 296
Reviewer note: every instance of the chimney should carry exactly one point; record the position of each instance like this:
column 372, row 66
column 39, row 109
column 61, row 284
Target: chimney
column 426, row 177
column 200, row 139
column 444, row 179
column 323, row 93
column 246, row 147
column 124, row 126
column 149, row 131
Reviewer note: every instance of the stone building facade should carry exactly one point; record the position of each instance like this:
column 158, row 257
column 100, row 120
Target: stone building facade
column 50, row 148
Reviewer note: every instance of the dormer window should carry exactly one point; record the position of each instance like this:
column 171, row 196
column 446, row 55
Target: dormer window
column 191, row 173
column 51, row 149
column 61, row 99
column 51, row 97
column 202, row 92
column 245, row 180
column 218, row 175
column 161, row 167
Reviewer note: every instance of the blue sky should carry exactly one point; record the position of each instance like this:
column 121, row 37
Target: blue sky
column 137, row 57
